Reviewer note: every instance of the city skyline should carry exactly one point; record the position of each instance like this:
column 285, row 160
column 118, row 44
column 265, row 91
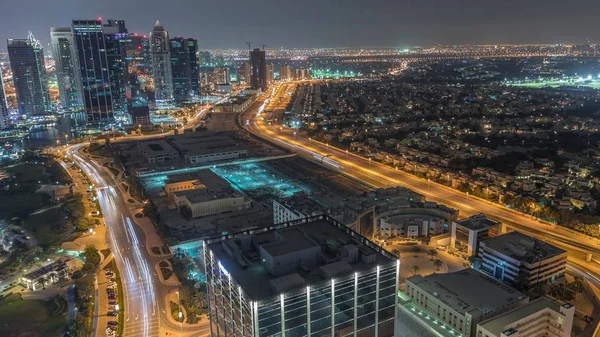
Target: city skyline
column 328, row 25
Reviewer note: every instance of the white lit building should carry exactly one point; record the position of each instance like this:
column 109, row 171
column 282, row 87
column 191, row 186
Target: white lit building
column 514, row 256
column 542, row 317
column 467, row 233
column 312, row 277
column 463, row 299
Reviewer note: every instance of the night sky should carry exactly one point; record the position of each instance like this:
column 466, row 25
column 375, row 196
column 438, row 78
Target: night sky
column 322, row 23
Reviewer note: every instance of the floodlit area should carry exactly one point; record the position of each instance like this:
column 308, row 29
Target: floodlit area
column 254, row 179
column 588, row 82
column 258, row 180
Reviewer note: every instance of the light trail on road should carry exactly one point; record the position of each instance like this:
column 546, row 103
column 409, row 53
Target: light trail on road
column 139, row 292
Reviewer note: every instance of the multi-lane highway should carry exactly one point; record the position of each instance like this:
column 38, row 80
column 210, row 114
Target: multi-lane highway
column 145, row 308
column 379, row 175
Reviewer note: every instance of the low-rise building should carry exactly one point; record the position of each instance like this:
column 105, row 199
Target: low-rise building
column 51, row 273
column 157, row 151
column 463, row 299
column 541, row 317
column 299, row 206
column 521, row 260
column 182, row 182
column 410, row 226
column 468, row 232
column 202, row 148
column 216, row 196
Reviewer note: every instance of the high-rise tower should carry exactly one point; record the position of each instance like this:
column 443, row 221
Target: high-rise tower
column 194, row 66
column 161, row 64
column 4, row 118
column 258, row 76
column 114, row 31
column 180, row 68
column 29, row 75
column 94, row 69
column 68, row 74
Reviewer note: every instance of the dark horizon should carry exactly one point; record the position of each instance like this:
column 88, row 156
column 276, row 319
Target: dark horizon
column 322, row 24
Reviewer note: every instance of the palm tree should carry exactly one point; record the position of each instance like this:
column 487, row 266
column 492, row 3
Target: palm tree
column 577, row 285
column 415, row 249
column 577, row 331
column 433, row 253
column 438, row 264
column 415, row 269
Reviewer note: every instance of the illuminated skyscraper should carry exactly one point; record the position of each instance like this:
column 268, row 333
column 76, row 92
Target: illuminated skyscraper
column 68, row 74
column 286, row 73
column 113, row 31
column 4, row 120
column 243, row 73
column 258, row 69
column 161, row 64
column 136, row 53
column 181, row 68
column 29, row 75
column 194, row 66
column 94, row 69
column 269, row 72
column 222, row 75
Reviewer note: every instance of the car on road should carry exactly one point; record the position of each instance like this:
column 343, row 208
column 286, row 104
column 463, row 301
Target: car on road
column 112, row 313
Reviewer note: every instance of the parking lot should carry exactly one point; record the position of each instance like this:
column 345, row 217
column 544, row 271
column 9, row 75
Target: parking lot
column 108, row 312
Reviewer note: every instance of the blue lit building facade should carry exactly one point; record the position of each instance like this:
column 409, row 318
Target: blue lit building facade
column 94, row 69
column 68, row 75
column 29, row 75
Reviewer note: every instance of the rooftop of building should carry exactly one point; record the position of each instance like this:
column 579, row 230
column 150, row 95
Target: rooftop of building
column 301, row 202
column 320, row 232
column 57, row 265
column 478, row 222
column 468, row 290
column 157, row 146
column 206, row 194
column 215, row 187
column 498, row 324
column 522, row 247
column 200, row 143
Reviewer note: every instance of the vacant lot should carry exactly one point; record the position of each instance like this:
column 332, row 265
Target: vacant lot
column 32, row 318
column 48, row 227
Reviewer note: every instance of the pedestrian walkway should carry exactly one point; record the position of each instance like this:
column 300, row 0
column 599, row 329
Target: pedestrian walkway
column 430, row 326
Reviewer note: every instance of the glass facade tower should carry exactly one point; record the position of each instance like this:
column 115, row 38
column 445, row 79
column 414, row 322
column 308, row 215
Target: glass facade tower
column 258, row 69
column 161, row 64
column 94, row 69
column 68, row 75
column 29, row 75
column 337, row 283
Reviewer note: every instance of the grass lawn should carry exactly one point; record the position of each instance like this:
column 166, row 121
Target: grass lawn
column 47, row 227
column 21, row 202
column 32, row 318
column 29, row 173
column 100, row 150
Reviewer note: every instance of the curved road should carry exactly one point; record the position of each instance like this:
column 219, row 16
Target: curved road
column 145, row 308
column 380, row 175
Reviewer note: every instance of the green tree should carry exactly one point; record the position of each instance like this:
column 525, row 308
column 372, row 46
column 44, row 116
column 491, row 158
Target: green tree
column 438, row 264
column 91, row 257
column 432, row 253
column 415, row 249
column 415, row 269
column 79, row 327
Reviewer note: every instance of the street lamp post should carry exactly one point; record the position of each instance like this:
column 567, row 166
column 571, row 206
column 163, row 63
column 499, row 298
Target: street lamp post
column 370, row 160
column 180, row 315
